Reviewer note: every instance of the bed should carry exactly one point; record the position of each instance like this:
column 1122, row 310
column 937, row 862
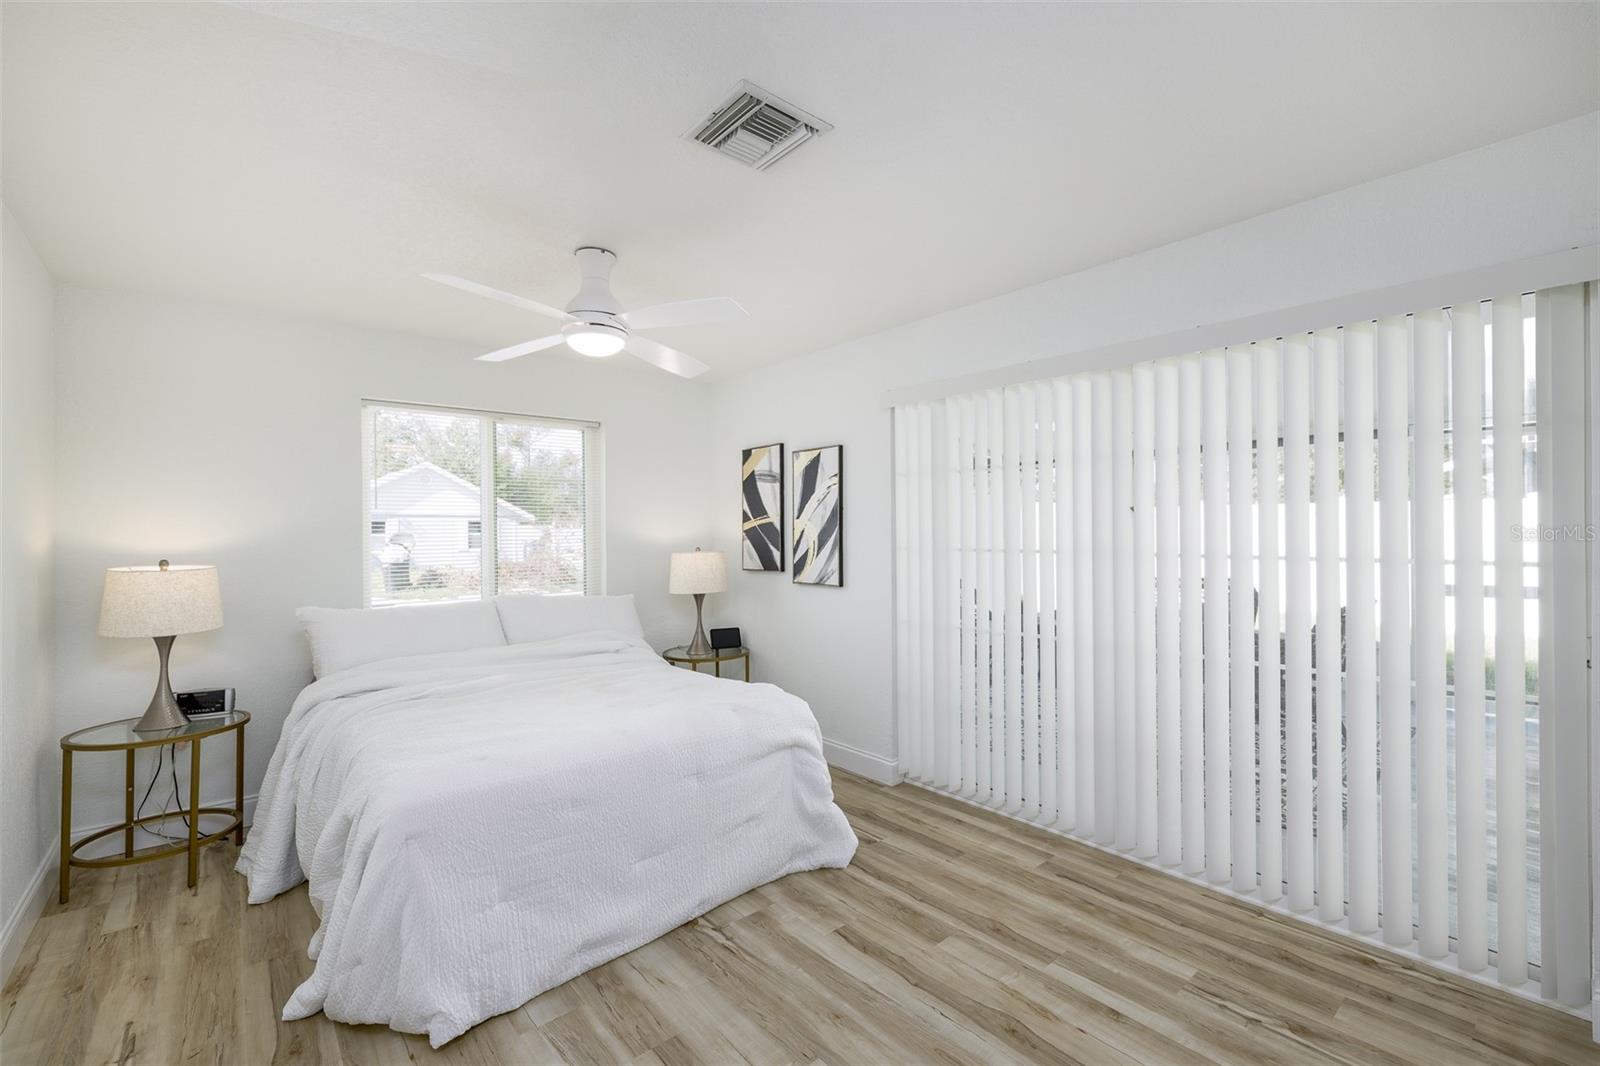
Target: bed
column 482, row 822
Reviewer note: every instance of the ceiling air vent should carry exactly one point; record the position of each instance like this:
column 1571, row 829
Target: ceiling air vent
column 757, row 128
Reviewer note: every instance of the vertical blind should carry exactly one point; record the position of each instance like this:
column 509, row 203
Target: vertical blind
column 1304, row 617
column 465, row 504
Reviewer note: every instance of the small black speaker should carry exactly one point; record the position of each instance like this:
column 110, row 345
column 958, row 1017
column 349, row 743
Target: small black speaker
column 725, row 638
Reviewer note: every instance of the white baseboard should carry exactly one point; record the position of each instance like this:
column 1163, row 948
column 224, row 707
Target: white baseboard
column 873, row 767
column 19, row 923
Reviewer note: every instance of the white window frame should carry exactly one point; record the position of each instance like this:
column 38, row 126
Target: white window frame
column 593, row 478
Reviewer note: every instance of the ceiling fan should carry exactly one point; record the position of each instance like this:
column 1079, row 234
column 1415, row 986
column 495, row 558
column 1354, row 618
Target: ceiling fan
column 595, row 325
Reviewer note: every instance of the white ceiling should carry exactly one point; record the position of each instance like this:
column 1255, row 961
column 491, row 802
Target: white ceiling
column 316, row 158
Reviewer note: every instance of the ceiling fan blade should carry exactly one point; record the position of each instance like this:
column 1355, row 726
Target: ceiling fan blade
column 504, row 297
column 525, row 348
column 669, row 359
column 685, row 313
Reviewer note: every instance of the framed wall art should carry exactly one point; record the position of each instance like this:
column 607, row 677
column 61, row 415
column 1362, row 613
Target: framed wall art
column 819, row 516
column 761, row 507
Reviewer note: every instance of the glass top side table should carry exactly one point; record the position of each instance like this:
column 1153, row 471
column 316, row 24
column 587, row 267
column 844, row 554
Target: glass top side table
column 120, row 736
column 716, row 658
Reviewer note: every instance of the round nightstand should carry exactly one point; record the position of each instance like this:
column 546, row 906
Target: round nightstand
column 717, row 657
column 120, row 736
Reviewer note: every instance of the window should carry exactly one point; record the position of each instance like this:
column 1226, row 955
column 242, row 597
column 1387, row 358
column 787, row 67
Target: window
column 437, row 479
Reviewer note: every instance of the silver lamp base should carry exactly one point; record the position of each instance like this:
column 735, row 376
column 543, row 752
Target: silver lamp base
column 163, row 713
column 699, row 645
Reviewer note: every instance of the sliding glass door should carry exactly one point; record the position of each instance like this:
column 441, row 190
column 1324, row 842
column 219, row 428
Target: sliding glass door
column 1304, row 617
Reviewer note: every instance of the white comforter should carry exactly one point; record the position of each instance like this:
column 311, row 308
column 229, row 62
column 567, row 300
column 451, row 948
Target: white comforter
column 480, row 826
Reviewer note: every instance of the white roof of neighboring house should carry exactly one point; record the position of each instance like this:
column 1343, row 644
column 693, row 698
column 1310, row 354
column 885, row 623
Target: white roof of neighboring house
column 426, row 490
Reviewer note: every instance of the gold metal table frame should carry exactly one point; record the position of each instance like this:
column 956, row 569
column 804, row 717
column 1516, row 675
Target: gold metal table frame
column 119, row 736
column 718, row 656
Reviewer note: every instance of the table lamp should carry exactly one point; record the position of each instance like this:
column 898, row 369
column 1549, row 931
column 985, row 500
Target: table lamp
column 697, row 573
column 160, row 601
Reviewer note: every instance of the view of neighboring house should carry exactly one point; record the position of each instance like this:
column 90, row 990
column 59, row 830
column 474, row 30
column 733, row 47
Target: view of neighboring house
column 426, row 535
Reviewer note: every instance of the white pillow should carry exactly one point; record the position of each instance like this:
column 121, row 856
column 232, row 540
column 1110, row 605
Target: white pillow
column 529, row 618
column 342, row 638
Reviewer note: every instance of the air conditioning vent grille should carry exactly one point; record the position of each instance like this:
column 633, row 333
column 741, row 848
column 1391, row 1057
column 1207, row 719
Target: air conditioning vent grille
column 756, row 128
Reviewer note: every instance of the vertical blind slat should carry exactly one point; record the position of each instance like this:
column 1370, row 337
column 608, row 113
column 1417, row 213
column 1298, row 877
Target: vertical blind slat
column 1011, row 465
column 1122, row 606
column 999, row 659
column 1066, row 615
column 1300, row 842
column 1084, row 662
column 1428, row 398
column 1329, row 726
column 983, row 605
column 1214, row 593
column 1168, row 526
column 1361, row 691
column 1241, row 593
column 1048, row 715
column 1191, row 616
column 1027, row 746
column 1466, row 483
column 1144, row 611
column 1511, row 834
column 1105, row 662
column 933, row 698
column 966, row 626
column 905, row 576
column 949, row 452
column 914, row 532
column 1566, row 911
column 943, row 693
column 1269, row 680
column 1394, row 669
column 1546, row 457
column 914, row 588
column 1066, row 612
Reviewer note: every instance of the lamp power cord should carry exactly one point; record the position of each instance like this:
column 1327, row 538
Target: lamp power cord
column 172, row 798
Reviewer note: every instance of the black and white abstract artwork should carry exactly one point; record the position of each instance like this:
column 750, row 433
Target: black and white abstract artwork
column 819, row 516
column 761, row 525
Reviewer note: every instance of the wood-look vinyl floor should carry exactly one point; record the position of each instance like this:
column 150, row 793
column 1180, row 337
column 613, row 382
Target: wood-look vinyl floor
column 954, row 936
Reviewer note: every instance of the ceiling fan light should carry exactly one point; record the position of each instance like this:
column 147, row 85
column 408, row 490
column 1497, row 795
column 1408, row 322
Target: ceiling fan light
column 597, row 342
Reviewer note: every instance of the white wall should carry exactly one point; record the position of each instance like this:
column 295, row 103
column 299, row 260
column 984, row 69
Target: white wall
column 1528, row 196
column 207, row 434
column 29, row 759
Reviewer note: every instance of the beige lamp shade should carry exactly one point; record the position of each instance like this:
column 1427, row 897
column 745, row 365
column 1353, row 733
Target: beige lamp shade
column 160, row 601
column 697, row 572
